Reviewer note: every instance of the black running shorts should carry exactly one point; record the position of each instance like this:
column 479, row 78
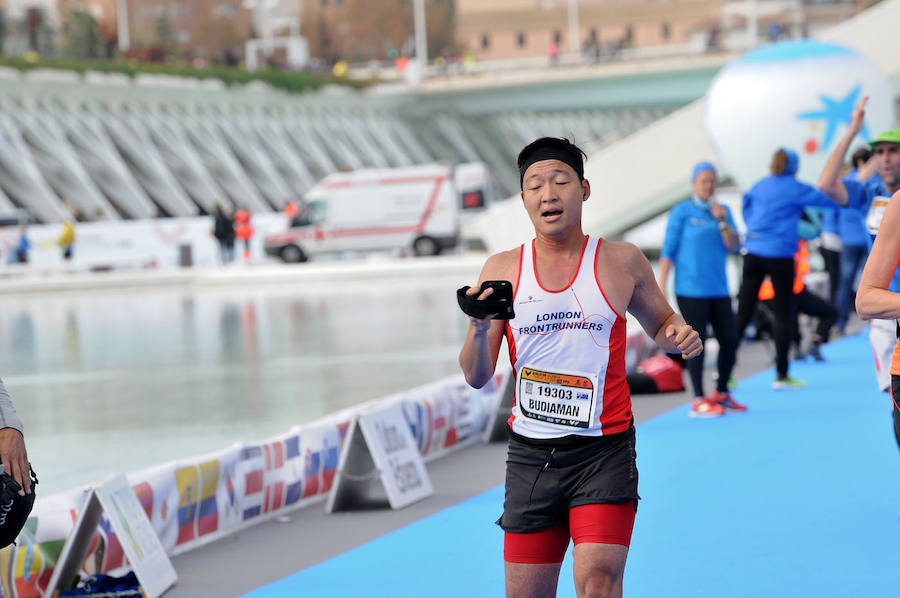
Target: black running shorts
column 544, row 481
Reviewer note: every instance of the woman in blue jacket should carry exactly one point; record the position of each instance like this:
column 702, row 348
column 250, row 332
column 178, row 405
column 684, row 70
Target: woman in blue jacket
column 699, row 235
column 772, row 208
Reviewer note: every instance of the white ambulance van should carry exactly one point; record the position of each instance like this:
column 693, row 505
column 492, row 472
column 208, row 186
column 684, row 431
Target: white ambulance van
column 417, row 208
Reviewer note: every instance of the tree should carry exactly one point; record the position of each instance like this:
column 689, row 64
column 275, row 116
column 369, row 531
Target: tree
column 81, row 36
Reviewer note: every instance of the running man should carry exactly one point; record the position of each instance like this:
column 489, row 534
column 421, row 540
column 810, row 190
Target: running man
column 571, row 470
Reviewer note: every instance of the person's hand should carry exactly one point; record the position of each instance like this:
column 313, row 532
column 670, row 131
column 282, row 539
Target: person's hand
column 858, row 118
column 717, row 211
column 15, row 458
column 481, row 325
column 685, row 340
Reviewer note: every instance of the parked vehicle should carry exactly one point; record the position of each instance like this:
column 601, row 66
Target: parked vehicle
column 416, row 208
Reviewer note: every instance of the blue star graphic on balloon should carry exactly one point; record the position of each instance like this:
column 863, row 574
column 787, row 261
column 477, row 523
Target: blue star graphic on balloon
column 836, row 112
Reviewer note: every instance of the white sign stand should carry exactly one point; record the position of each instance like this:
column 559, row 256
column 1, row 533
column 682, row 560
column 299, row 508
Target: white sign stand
column 379, row 458
column 140, row 543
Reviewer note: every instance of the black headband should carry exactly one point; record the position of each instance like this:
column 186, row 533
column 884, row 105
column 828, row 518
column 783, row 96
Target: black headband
column 550, row 152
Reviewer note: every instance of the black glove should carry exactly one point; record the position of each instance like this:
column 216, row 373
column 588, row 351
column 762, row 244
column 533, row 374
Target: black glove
column 499, row 304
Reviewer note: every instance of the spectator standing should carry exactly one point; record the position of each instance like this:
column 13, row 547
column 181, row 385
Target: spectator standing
column 19, row 254
column 855, row 239
column 772, row 209
column 223, row 231
column 243, row 230
column 854, row 245
column 66, row 240
column 830, row 246
column 699, row 236
column 805, row 302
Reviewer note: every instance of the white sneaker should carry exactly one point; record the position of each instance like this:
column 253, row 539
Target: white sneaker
column 788, row 382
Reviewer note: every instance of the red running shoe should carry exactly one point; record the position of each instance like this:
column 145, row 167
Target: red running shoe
column 727, row 401
column 706, row 408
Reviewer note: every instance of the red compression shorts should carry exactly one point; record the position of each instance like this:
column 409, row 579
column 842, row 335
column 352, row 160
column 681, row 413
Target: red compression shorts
column 599, row 524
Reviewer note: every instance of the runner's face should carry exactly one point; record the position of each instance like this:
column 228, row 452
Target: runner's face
column 553, row 194
column 888, row 156
column 705, row 185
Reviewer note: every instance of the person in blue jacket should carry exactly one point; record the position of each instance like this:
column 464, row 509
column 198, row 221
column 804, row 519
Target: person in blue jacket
column 772, row 209
column 699, row 236
column 862, row 168
column 830, row 246
column 855, row 239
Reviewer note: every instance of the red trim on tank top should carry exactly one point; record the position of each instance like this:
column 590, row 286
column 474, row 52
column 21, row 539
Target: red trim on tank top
column 511, row 345
column 537, row 278
column 519, row 275
column 597, row 279
column 616, row 415
column 510, row 337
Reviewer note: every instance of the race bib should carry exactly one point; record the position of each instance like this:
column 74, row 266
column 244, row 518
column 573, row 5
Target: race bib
column 876, row 213
column 557, row 397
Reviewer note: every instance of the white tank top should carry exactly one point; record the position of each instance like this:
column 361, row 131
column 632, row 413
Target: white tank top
column 567, row 348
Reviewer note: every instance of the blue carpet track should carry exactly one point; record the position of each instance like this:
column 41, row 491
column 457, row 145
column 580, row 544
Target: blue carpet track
column 799, row 497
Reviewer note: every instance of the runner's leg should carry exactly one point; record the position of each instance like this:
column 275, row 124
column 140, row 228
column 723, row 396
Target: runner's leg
column 695, row 313
column 602, row 534
column 725, row 328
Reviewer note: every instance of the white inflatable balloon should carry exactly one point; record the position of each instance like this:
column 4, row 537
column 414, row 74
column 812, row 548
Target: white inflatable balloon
column 795, row 94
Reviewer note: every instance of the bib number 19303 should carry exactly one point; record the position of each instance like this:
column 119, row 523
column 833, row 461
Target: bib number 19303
column 562, row 398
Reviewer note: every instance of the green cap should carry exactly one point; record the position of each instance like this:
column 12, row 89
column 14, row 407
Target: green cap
column 889, row 136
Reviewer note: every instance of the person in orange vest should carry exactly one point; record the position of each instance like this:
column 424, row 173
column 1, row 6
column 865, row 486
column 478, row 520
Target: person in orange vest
column 290, row 210
column 806, row 302
column 243, row 230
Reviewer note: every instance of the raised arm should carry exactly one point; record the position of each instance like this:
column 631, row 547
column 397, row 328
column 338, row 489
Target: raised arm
column 657, row 318
column 478, row 357
column 873, row 299
column 830, row 180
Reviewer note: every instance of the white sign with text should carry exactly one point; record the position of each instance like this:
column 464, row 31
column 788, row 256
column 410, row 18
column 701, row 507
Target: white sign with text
column 141, row 545
column 380, row 449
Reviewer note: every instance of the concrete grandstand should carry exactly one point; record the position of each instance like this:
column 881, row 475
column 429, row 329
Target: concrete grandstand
column 104, row 147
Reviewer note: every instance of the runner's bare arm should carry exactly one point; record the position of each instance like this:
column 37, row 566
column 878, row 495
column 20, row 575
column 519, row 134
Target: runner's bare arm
column 478, row 357
column 873, row 300
column 658, row 319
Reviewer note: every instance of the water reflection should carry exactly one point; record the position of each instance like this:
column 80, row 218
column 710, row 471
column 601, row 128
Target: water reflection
column 116, row 381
